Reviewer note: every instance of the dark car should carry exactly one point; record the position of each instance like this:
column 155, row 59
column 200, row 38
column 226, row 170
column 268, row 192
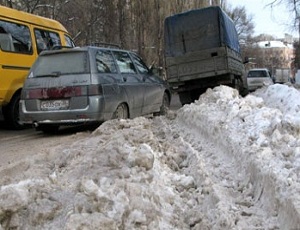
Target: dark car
column 90, row 84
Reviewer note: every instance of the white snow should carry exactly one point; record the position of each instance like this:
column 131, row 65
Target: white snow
column 223, row 162
column 273, row 44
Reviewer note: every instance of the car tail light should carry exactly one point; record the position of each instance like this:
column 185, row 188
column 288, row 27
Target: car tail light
column 55, row 92
column 95, row 90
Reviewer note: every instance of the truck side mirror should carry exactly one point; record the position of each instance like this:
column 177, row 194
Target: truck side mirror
column 246, row 60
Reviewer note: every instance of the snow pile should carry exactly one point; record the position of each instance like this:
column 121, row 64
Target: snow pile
column 113, row 179
column 223, row 162
column 261, row 133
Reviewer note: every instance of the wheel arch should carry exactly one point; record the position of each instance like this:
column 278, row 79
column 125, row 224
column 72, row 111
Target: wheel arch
column 122, row 103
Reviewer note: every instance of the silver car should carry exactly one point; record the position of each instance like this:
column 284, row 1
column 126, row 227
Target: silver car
column 90, row 84
column 259, row 77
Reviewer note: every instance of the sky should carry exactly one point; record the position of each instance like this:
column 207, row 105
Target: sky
column 222, row 162
column 275, row 22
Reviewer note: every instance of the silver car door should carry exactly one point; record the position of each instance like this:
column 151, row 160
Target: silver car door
column 131, row 83
column 153, row 87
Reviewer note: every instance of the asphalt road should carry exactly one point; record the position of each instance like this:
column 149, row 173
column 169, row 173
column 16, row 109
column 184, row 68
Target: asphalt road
column 16, row 144
column 7, row 133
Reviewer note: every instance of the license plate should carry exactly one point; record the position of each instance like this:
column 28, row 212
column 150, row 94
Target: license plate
column 55, row 105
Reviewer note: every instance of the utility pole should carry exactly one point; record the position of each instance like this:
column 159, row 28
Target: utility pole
column 9, row 2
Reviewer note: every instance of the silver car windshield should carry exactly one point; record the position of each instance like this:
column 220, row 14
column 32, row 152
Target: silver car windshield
column 61, row 63
column 257, row 74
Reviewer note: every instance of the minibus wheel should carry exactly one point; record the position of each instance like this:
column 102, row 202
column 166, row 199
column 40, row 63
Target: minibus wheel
column 11, row 113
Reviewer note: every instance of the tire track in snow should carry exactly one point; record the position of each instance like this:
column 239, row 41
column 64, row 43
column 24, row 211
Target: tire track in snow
column 226, row 198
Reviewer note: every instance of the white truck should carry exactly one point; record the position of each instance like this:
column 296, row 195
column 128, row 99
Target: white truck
column 282, row 75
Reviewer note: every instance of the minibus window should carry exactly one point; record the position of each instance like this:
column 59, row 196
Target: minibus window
column 46, row 40
column 15, row 38
column 69, row 41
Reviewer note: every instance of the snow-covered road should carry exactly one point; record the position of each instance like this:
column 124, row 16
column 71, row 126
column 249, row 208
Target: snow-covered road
column 223, row 162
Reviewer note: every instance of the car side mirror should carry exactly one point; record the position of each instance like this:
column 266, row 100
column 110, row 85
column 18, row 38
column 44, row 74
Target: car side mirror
column 156, row 71
column 151, row 67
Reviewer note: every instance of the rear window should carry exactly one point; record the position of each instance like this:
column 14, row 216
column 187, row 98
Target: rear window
column 257, row 73
column 61, row 63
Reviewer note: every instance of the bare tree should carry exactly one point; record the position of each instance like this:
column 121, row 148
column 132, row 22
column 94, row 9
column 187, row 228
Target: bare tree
column 293, row 6
column 243, row 22
column 136, row 25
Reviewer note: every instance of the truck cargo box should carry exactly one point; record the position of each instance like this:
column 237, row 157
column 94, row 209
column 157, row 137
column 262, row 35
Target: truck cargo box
column 282, row 75
column 202, row 51
column 199, row 29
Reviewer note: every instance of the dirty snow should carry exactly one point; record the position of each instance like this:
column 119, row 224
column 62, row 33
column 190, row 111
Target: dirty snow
column 223, row 162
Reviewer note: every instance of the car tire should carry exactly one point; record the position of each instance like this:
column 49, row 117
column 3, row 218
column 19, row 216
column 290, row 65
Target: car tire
column 121, row 112
column 11, row 113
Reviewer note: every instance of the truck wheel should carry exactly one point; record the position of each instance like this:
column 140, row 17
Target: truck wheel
column 239, row 86
column 237, row 83
column 185, row 98
column 195, row 94
column 244, row 92
column 11, row 113
column 164, row 106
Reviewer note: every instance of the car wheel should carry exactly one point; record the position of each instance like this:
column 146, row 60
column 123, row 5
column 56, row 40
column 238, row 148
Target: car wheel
column 11, row 113
column 121, row 112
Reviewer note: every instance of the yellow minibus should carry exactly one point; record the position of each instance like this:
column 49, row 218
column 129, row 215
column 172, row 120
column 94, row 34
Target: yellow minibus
column 22, row 37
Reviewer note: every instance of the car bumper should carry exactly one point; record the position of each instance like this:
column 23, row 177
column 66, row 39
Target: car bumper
column 94, row 112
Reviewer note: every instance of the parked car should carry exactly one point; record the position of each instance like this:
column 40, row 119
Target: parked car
column 257, row 78
column 90, row 84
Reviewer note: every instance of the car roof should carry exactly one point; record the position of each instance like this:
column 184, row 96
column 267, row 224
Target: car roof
column 259, row 69
column 79, row 49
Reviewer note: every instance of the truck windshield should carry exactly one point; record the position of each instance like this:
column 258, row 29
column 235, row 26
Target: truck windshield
column 62, row 63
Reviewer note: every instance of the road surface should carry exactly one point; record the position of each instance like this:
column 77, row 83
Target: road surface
column 17, row 144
